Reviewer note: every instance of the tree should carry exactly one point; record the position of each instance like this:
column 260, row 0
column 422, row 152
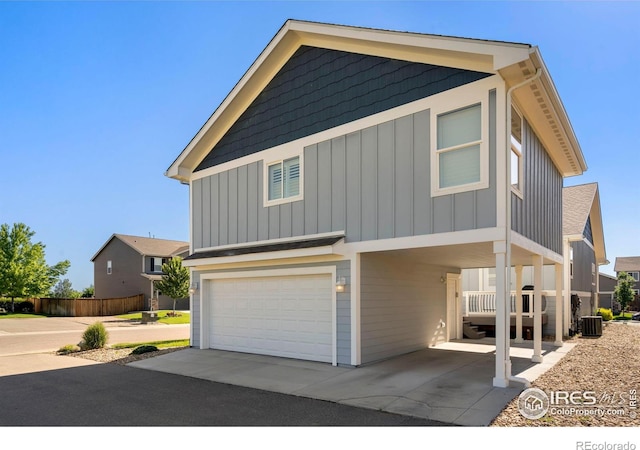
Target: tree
column 88, row 292
column 175, row 280
column 64, row 290
column 624, row 290
column 23, row 269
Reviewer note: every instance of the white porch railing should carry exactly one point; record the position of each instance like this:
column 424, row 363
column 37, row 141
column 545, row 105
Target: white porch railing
column 483, row 303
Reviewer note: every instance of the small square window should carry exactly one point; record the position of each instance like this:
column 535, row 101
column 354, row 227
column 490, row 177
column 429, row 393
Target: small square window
column 284, row 179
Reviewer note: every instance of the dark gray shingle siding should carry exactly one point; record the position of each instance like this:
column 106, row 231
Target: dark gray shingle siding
column 318, row 89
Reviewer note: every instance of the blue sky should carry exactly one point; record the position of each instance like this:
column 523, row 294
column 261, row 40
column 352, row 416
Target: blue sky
column 97, row 99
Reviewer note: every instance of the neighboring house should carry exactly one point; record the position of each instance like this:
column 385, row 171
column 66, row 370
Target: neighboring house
column 606, row 292
column 128, row 265
column 351, row 174
column 630, row 265
column 583, row 251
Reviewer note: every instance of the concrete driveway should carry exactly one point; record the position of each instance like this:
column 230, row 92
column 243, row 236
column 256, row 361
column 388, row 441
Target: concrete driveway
column 451, row 383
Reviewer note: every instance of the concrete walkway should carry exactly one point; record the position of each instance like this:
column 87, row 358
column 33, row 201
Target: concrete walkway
column 451, row 383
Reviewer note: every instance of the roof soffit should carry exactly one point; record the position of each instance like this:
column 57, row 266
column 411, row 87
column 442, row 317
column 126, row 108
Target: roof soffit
column 482, row 56
column 546, row 113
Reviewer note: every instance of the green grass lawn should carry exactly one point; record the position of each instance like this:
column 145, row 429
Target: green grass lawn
column 162, row 317
column 21, row 316
column 623, row 316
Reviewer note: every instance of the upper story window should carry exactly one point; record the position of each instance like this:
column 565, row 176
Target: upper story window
column 109, row 267
column 284, row 181
column 156, row 264
column 516, row 151
column 635, row 275
column 459, row 162
column 571, row 262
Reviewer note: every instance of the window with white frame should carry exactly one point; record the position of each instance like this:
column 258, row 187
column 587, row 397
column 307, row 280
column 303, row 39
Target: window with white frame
column 516, row 150
column 459, row 162
column 635, row 275
column 109, row 267
column 283, row 179
column 571, row 262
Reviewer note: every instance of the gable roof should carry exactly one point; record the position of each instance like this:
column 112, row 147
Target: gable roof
column 581, row 204
column 627, row 263
column 148, row 246
column 513, row 61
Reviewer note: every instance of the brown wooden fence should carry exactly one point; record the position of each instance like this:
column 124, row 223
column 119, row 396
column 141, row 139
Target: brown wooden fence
column 88, row 307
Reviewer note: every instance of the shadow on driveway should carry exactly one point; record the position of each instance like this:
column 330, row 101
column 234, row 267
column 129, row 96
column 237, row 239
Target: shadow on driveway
column 114, row 395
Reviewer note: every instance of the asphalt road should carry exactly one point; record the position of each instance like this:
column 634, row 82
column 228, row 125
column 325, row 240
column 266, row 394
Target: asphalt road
column 20, row 336
column 47, row 390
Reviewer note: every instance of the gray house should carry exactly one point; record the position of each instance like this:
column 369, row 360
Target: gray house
column 583, row 252
column 128, row 265
column 351, row 174
column 606, row 292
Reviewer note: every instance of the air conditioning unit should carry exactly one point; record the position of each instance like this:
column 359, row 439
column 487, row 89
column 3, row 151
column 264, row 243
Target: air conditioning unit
column 592, row 326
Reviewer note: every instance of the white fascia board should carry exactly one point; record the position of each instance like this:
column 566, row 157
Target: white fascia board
column 425, row 240
column 498, row 54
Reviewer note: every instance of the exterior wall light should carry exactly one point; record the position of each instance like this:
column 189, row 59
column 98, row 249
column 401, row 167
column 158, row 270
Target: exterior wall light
column 193, row 288
column 341, row 283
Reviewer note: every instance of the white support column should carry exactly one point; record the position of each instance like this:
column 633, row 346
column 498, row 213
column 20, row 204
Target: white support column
column 537, row 309
column 356, row 355
column 519, row 339
column 566, row 251
column 560, row 312
column 503, row 366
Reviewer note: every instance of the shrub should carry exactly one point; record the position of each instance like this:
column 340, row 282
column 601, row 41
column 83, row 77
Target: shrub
column 95, row 336
column 69, row 348
column 605, row 313
column 21, row 306
column 144, row 349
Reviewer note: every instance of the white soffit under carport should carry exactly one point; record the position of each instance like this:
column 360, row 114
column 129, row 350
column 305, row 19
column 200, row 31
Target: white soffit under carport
column 288, row 316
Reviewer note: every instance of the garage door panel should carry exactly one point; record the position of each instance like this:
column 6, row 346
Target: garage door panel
column 281, row 316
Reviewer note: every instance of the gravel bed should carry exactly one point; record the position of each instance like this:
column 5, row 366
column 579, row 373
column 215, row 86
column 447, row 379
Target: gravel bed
column 119, row 356
column 608, row 365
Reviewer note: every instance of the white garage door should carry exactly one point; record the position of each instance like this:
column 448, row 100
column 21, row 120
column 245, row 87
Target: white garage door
column 280, row 316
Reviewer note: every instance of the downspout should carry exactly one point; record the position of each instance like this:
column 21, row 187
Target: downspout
column 507, row 361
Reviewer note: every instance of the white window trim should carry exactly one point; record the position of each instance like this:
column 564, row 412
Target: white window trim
column 109, row 267
column 153, row 268
column 516, row 147
column 635, row 275
column 265, row 179
column 463, row 101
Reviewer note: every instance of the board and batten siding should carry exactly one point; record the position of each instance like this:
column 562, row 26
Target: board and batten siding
column 538, row 215
column 403, row 306
column 373, row 183
column 343, row 306
column 583, row 260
